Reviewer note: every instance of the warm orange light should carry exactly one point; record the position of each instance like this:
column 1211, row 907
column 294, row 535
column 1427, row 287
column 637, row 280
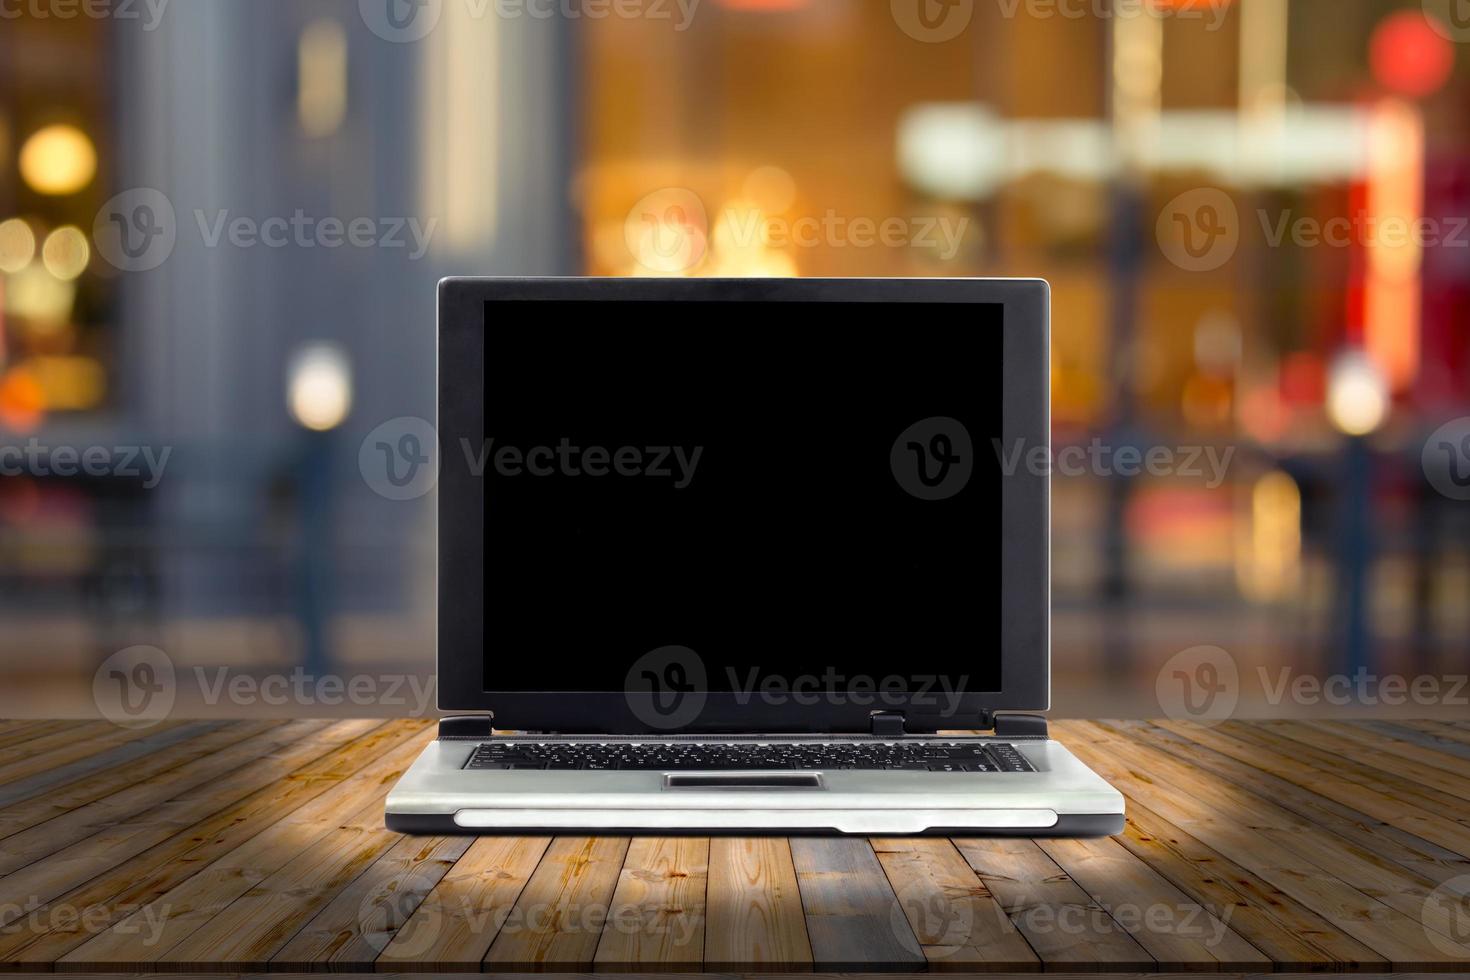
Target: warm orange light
column 1410, row 57
column 22, row 401
column 1395, row 206
column 58, row 160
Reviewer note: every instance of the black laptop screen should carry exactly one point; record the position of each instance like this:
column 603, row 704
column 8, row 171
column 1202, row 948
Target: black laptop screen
column 744, row 497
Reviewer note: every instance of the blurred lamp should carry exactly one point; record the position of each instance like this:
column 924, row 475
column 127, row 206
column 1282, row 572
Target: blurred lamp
column 1357, row 394
column 319, row 386
column 58, row 160
column 17, row 245
column 66, row 253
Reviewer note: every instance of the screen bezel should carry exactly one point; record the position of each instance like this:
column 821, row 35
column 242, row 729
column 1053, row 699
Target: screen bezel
column 1024, row 629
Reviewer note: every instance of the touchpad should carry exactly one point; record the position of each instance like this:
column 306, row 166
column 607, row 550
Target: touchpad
column 796, row 780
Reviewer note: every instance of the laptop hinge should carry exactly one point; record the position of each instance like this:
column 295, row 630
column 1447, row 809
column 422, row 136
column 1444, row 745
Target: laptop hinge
column 887, row 724
column 1016, row 726
column 467, row 726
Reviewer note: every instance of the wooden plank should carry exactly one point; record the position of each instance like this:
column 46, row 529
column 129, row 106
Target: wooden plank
column 249, row 741
column 557, row 923
column 1444, row 740
column 753, row 911
column 1248, row 828
column 355, row 926
column 22, row 741
column 853, row 918
column 277, row 753
column 1442, row 772
column 451, row 931
column 657, row 919
column 1060, row 921
column 141, row 880
column 958, row 924
column 205, row 897
column 1267, row 917
column 1176, row 930
column 247, row 933
column 87, row 740
column 1354, row 847
column 1413, row 813
column 63, row 799
column 72, row 763
column 1351, row 810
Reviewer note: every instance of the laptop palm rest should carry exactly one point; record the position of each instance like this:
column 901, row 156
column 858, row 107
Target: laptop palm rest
column 795, row 780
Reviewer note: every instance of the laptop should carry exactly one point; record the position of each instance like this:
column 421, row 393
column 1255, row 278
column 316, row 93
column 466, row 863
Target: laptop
column 730, row 556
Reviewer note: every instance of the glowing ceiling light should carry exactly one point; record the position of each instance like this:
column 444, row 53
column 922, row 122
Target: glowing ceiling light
column 58, row 160
column 17, row 245
column 66, row 253
column 1357, row 394
column 319, row 386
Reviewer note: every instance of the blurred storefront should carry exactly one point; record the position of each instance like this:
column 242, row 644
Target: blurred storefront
column 1253, row 214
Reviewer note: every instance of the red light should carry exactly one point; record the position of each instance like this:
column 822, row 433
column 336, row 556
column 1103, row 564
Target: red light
column 1408, row 56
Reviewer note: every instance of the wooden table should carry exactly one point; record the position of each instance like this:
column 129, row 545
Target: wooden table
column 259, row 846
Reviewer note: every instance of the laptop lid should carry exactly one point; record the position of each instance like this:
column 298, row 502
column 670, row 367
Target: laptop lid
column 742, row 506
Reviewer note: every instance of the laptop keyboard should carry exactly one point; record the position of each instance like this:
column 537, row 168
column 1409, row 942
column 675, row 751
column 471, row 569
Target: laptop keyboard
column 919, row 756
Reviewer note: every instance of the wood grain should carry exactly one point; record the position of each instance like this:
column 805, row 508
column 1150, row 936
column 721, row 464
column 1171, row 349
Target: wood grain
column 753, row 913
column 237, row 847
column 657, row 920
column 557, row 923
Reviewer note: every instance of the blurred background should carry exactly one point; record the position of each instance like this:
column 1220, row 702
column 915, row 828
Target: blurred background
column 221, row 224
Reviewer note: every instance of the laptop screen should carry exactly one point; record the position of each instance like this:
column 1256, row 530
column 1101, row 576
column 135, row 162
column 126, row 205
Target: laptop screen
column 771, row 497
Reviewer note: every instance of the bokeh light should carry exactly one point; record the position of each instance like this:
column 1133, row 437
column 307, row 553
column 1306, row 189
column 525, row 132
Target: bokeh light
column 319, row 386
column 66, row 253
column 1408, row 56
column 58, row 160
column 1357, row 394
column 17, row 245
